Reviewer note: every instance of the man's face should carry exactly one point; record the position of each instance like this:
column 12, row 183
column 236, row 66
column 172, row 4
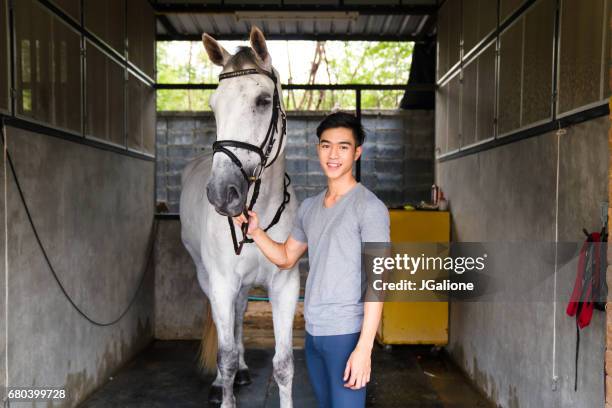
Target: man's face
column 337, row 152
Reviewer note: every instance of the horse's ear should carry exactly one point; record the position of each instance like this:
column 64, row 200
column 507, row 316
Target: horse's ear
column 258, row 43
column 217, row 54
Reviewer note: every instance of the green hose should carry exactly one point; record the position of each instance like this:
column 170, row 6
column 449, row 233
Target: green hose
column 267, row 299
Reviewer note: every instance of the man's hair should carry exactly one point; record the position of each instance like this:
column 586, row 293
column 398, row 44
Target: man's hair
column 343, row 120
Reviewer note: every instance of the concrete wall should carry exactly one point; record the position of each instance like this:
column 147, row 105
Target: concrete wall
column 94, row 211
column 397, row 161
column 508, row 194
column 179, row 300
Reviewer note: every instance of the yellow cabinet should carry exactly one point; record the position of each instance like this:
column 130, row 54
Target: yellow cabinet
column 416, row 322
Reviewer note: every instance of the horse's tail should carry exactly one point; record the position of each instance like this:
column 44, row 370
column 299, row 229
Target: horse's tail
column 208, row 346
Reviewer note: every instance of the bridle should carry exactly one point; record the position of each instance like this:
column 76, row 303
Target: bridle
column 263, row 151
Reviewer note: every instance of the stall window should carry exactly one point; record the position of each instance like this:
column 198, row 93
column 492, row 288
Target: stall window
column 106, row 19
column 507, row 7
column 443, row 39
column 485, row 116
column 71, row 7
column 478, row 98
column 580, row 54
column 48, row 67
column 441, row 119
column 479, row 20
column 454, row 106
column 141, row 116
column 454, row 29
column 449, row 34
column 134, row 113
column 4, row 59
column 104, row 89
column 469, row 103
column 538, row 63
column 141, row 36
column 149, row 113
column 510, row 74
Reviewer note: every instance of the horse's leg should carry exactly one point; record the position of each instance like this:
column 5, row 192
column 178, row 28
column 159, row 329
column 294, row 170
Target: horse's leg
column 222, row 301
column 242, row 376
column 284, row 291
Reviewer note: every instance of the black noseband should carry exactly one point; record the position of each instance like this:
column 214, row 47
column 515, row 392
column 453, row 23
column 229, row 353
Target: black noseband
column 220, row 147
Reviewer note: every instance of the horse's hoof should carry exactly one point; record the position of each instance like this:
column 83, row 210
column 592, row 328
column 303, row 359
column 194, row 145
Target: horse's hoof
column 215, row 395
column 242, row 377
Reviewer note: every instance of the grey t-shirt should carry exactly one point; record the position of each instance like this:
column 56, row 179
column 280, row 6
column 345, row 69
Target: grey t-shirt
column 332, row 303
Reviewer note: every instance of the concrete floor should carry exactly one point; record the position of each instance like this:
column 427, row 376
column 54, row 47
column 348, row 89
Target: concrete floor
column 165, row 375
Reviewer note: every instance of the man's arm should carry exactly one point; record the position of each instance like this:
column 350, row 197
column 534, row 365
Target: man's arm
column 284, row 255
column 359, row 365
column 374, row 228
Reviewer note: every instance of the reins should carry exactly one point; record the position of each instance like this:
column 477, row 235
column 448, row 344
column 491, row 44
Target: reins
column 263, row 151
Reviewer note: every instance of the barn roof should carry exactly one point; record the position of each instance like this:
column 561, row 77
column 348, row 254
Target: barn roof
column 382, row 20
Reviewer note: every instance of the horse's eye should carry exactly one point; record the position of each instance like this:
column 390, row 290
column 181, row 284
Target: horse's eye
column 263, row 100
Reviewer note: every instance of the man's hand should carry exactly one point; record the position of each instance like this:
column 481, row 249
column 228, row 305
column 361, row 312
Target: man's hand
column 358, row 368
column 284, row 255
column 252, row 220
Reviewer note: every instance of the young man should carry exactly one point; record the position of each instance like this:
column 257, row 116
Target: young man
column 340, row 329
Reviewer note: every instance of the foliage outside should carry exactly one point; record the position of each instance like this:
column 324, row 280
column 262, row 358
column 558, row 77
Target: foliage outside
column 332, row 62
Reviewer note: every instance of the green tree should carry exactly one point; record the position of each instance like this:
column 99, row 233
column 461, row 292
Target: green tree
column 347, row 62
column 362, row 62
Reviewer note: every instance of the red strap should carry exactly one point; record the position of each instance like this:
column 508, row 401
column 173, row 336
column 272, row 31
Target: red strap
column 572, row 306
column 585, row 308
column 586, row 311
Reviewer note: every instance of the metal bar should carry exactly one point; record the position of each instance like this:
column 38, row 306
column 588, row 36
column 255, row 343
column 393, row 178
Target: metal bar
column 358, row 114
column 60, row 134
column 372, row 9
column 362, row 87
column 301, row 36
column 578, row 117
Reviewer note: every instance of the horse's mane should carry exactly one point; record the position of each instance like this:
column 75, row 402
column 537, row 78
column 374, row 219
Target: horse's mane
column 243, row 58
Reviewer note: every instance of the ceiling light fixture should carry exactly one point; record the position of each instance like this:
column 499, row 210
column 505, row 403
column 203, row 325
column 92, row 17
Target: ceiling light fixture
column 296, row 16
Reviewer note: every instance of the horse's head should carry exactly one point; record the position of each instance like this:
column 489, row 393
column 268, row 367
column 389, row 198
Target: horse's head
column 245, row 111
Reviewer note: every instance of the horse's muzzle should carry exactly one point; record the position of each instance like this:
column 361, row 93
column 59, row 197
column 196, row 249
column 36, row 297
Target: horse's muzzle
column 227, row 198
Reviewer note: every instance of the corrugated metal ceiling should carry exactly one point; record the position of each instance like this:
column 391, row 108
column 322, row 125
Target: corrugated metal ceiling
column 307, row 20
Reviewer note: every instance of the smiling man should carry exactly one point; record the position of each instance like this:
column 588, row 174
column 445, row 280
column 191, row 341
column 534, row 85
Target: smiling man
column 340, row 328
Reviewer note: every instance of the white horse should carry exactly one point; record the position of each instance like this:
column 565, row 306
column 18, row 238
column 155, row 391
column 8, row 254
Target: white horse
column 249, row 114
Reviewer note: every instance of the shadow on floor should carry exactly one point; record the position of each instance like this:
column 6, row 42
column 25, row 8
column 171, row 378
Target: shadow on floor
column 166, row 375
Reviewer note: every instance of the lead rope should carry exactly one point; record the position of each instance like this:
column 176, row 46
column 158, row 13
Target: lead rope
column 281, row 208
column 244, row 227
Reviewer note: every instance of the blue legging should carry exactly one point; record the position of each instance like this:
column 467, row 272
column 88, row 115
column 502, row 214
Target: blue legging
column 326, row 358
